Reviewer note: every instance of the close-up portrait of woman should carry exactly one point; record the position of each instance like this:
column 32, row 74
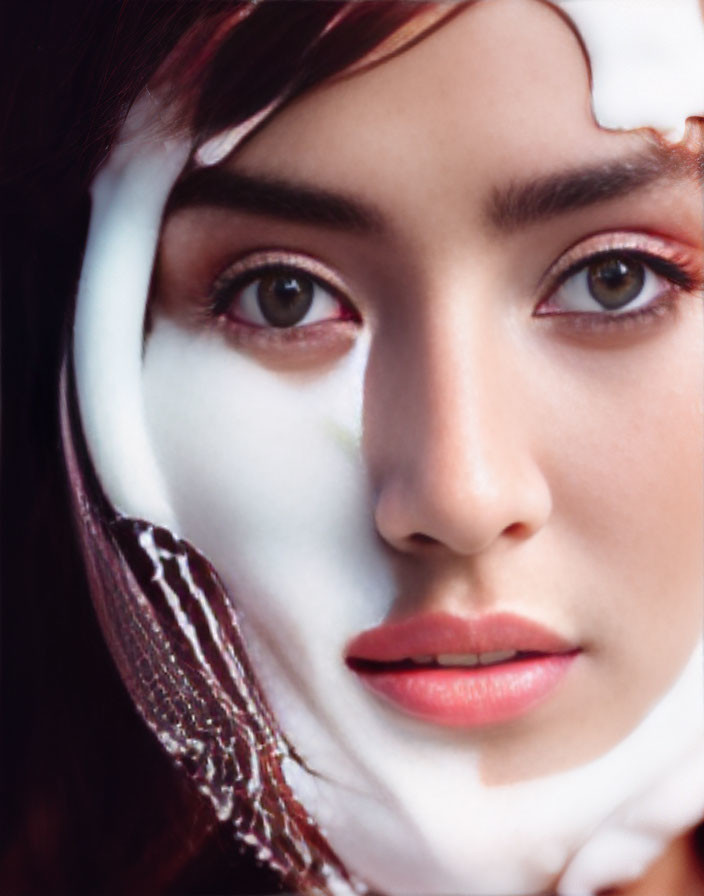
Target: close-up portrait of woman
column 353, row 443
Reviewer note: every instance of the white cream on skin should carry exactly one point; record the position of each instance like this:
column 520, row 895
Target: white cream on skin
column 128, row 198
column 646, row 60
column 646, row 64
column 288, row 448
column 402, row 804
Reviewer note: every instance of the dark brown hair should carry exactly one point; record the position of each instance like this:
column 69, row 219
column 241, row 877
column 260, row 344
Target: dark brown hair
column 89, row 802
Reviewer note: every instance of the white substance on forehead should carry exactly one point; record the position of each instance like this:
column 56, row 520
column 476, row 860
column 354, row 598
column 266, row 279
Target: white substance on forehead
column 647, row 65
column 406, row 812
column 647, row 60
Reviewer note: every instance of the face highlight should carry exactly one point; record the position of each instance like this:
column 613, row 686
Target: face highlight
column 435, row 351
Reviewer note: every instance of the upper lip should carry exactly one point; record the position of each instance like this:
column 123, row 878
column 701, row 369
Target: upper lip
column 444, row 633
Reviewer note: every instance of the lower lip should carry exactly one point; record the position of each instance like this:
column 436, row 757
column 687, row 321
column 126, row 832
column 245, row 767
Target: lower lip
column 471, row 697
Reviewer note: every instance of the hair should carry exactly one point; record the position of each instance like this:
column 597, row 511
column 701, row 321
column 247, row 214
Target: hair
column 90, row 802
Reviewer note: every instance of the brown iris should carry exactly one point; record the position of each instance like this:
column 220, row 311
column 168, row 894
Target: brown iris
column 284, row 297
column 615, row 281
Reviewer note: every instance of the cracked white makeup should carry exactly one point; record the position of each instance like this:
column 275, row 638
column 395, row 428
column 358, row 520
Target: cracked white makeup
column 433, row 438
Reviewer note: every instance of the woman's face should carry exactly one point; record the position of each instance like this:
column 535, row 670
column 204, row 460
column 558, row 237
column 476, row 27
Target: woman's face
column 431, row 352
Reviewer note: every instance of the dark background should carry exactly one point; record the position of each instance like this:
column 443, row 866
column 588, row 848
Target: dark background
column 88, row 803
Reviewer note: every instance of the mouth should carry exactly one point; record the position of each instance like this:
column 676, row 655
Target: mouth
column 461, row 672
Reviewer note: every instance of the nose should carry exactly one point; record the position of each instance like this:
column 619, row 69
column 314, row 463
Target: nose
column 452, row 440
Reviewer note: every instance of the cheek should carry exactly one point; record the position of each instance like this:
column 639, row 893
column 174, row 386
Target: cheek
column 628, row 493
column 265, row 478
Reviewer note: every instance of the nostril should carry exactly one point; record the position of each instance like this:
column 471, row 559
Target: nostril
column 517, row 530
column 421, row 538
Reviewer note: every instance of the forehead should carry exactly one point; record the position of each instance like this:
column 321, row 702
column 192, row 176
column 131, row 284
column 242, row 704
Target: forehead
column 503, row 80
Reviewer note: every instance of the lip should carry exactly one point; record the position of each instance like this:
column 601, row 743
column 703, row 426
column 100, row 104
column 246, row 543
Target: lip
column 461, row 696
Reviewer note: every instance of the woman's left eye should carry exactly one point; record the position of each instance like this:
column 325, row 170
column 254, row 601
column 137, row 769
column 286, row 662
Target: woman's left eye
column 614, row 283
column 282, row 297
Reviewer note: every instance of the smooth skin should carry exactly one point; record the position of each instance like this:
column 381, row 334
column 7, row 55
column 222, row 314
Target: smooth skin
column 521, row 453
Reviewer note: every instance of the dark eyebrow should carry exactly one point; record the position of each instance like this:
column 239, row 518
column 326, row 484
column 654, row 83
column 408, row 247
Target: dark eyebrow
column 220, row 188
column 523, row 203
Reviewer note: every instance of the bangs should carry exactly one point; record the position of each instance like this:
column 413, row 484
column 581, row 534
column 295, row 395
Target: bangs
column 235, row 68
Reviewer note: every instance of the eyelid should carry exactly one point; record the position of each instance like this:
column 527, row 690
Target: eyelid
column 259, row 262
column 639, row 245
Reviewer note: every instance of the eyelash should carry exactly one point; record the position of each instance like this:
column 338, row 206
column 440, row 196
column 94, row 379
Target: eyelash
column 233, row 285
column 659, row 259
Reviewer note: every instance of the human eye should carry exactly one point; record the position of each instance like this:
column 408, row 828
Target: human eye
column 281, row 302
column 619, row 279
column 279, row 292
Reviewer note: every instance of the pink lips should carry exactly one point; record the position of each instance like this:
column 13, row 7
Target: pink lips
column 398, row 662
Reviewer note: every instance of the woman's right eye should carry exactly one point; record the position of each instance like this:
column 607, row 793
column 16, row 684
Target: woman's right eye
column 282, row 297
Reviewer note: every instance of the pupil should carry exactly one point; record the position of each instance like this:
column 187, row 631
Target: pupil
column 284, row 299
column 614, row 282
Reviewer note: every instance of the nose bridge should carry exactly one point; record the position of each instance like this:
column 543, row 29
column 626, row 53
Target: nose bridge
column 449, row 434
column 464, row 407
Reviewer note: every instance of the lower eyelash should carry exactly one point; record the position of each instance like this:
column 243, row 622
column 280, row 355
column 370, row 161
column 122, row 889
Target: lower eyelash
column 667, row 305
column 676, row 268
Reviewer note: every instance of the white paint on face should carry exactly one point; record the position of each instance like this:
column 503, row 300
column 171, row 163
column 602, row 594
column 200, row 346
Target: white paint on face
column 647, row 60
column 647, row 66
column 128, row 196
column 263, row 471
column 269, row 478
column 266, row 479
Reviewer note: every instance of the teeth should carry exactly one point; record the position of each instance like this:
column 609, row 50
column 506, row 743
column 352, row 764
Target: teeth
column 498, row 656
column 457, row 659
column 464, row 659
column 475, row 659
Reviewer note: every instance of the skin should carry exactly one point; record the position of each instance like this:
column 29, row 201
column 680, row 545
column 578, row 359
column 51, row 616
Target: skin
column 678, row 870
column 504, row 453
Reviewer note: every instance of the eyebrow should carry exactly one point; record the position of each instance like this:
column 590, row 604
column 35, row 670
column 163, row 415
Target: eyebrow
column 508, row 208
column 523, row 203
column 220, row 188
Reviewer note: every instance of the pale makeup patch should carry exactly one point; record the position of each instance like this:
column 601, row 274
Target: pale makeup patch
column 604, row 820
column 646, row 60
column 128, row 198
column 408, row 792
